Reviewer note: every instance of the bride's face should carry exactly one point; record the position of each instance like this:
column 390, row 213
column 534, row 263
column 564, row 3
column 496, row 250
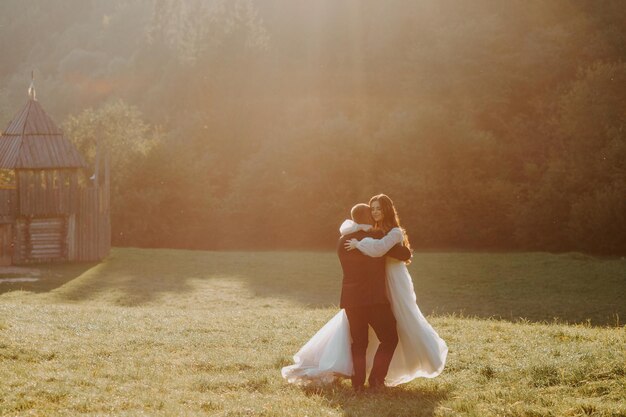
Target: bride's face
column 377, row 211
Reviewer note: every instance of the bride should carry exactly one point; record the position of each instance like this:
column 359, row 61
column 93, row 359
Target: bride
column 420, row 351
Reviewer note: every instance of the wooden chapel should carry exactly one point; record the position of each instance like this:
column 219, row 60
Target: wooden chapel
column 50, row 209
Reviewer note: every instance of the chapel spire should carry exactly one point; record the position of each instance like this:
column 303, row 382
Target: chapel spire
column 31, row 88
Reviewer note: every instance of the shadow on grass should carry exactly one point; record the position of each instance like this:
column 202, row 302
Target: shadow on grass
column 530, row 286
column 397, row 401
column 132, row 276
column 49, row 277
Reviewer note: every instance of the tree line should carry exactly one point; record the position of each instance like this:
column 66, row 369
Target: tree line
column 246, row 124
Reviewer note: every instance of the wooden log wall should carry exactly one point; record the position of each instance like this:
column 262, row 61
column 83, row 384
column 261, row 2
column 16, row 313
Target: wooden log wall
column 57, row 219
column 92, row 225
column 47, row 192
column 41, row 239
column 8, row 202
column 6, row 244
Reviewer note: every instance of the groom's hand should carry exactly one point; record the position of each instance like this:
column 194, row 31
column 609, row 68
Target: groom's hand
column 350, row 244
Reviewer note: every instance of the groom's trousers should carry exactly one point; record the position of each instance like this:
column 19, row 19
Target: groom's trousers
column 381, row 318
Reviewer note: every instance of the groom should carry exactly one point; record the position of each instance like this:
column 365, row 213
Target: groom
column 364, row 297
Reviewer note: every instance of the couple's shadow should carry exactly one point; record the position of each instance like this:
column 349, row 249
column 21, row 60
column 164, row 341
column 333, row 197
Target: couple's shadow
column 401, row 401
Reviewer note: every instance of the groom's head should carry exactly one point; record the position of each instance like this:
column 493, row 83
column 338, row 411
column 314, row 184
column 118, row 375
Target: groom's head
column 362, row 214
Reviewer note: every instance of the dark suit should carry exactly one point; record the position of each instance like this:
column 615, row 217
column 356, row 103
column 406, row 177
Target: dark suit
column 364, row 297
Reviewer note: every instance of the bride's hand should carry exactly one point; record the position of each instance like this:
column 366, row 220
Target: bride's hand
column 350, row 244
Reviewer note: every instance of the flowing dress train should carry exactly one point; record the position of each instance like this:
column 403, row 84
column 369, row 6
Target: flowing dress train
column 420, row 351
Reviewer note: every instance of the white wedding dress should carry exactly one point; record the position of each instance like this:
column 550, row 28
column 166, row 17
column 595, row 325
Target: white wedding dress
column 420, row 351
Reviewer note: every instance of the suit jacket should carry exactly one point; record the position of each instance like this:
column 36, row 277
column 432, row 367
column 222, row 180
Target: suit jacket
column 364, row 277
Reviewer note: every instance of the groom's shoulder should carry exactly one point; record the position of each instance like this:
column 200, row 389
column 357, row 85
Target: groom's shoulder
column 376, row 234
column 360, row 234
column 354, row 235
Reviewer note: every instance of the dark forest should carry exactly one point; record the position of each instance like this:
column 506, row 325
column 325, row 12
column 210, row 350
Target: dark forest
column 258, row 124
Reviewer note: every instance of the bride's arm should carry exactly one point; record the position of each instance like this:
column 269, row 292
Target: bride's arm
column 379, row 247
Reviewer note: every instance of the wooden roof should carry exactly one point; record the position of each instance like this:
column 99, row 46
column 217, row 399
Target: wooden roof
column 33, row 141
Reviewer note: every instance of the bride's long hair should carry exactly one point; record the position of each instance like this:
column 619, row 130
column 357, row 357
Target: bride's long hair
column 390, row 217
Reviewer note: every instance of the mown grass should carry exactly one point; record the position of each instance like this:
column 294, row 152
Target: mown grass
column 166, row 332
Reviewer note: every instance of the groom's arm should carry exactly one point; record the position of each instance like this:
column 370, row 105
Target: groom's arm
column 399, row 252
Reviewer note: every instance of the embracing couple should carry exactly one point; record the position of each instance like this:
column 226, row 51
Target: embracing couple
column 379, row 330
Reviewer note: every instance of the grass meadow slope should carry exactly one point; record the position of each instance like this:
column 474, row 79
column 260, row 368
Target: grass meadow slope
column 170, row 332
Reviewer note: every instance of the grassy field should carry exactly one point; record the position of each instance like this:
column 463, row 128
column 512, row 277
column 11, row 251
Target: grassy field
column 167, row 332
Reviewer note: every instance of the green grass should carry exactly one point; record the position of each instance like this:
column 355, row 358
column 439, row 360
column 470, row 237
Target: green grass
column 168, row 332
